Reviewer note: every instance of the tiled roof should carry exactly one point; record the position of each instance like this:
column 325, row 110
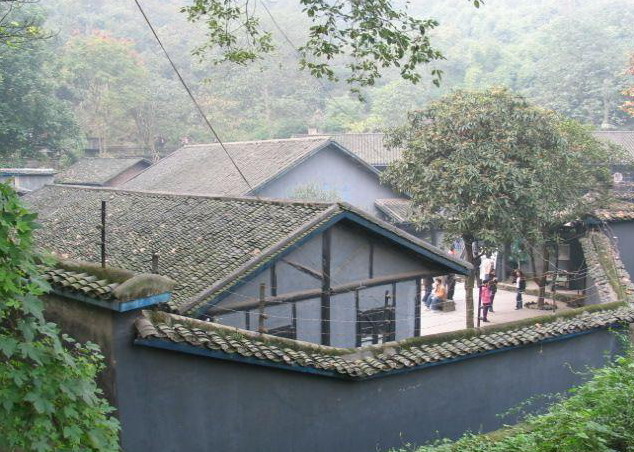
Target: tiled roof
column 205, row 168
column 618, row 210
column 370, row 147
column 88, row 281
column 624, row 138
column 206, row 244
column 198, row 337
column 27, row 171
column 591, row 244
column 397, row 209
column 96, row 171
column 81, row 283
column 200, row 240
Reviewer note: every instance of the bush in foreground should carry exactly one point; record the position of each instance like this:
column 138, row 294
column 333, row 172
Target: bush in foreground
column 597, row 417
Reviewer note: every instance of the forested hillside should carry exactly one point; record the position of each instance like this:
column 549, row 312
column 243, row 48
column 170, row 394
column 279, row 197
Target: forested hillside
column 569, row 55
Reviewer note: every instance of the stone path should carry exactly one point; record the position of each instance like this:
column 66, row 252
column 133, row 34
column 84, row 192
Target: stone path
column 433, row 322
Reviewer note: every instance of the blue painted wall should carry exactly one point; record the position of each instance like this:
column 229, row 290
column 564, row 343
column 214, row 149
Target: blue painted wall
column 331, row 169
column 170, row 401
column 350, row 262
column 623, row 234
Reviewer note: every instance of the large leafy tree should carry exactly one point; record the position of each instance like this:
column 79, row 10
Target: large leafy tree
column 49, row 400
column 107, row 82
column 32, row 117
column 478, row 164
column 628, row 105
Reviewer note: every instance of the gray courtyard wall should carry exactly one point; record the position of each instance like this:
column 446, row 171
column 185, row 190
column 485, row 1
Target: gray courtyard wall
column 171, row 401
column 624, row 233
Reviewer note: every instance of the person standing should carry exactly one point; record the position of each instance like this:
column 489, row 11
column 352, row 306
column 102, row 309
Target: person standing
column 493, row 286
column 428, row 282
column 485, row 298
column 440, row 294
column 520, row 285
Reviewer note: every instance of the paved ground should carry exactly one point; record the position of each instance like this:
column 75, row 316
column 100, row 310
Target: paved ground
column 433, row 322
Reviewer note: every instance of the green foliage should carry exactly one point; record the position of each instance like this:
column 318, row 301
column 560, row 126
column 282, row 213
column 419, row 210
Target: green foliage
column 374, row 33
column 105, row 79
column 315, row 192
column 49, row 400
column 32, row 117
column 598, row 416
column 488, row 166
column 16, row 27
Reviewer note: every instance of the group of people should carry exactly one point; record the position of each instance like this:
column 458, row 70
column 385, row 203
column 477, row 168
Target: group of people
column 489, row 288
column 437, row 291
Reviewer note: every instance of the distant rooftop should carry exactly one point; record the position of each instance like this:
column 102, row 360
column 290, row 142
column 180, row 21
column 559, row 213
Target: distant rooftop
column 624, row 138
column 368, row 146
column 27, row 171
column 97, row 171
column 205, row 168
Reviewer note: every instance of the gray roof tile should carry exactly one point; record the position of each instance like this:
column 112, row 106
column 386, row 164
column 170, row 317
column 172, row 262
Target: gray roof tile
column 96, row 171
column 160, row 327
column 206, row 244
column 205, row 168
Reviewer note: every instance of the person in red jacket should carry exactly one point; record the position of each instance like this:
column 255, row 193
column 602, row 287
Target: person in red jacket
column 486, row 300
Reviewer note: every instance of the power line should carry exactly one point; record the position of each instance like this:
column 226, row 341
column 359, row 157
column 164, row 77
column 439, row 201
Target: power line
column 200, row 110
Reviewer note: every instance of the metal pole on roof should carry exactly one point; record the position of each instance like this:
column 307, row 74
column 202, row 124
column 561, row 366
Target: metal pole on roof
column 103, row 234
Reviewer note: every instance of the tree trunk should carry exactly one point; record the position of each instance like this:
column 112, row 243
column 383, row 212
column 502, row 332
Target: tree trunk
column 540, row 277
column 469, row 281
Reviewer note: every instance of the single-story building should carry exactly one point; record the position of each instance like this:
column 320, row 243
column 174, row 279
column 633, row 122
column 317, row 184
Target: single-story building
column 182, row 384
column 25, row 180
column 325, row 273
column 102, row 172
column 311, row 168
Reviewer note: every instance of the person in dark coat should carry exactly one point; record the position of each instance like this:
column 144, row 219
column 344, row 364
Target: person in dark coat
column 520, row 285
column 492, row 280
column 428, row 282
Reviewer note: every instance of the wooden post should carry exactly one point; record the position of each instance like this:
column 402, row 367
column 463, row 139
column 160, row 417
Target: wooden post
column 261, row 315
column 479, row 304
column 103, row 234
column 273, row 271
column 155, row 263
column 417, row 307
column 358, row 321
column 325, row 288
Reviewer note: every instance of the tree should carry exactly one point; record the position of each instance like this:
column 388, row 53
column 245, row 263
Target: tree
column 32, row 117
column 575, row 178
column 628, row 105
column 477, row 164
column 16, row 27
column 49, row 400
column 105, row 79
column 373, row 33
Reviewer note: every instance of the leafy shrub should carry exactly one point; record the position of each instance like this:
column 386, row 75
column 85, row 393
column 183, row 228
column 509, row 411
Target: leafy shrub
column 597, row 417
column 48, row 396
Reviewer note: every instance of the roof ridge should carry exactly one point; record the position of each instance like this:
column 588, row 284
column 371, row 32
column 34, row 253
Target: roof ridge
column 273, row 140
column 210, row 196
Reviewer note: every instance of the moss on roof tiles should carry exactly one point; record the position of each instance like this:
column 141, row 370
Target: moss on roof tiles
column 161, row 327
column 199, row 240
column 97, row 171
